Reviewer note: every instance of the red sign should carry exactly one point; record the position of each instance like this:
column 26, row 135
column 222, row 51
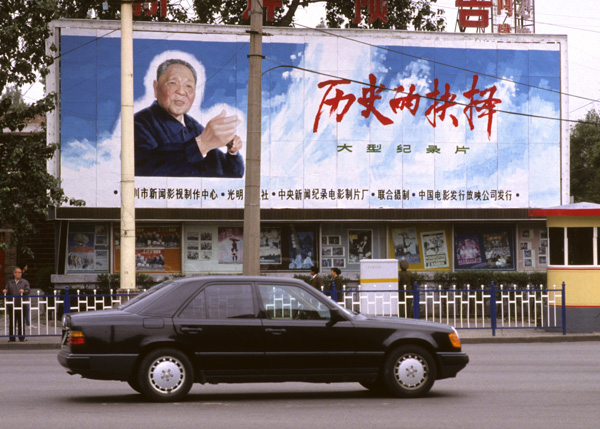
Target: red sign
column 270, row 5
column 377, row 10
column 150, row 8
column 474, row 18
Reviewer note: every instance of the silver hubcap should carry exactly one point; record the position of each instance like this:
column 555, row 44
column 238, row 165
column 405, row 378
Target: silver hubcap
column 166, row 374
column 411, row 371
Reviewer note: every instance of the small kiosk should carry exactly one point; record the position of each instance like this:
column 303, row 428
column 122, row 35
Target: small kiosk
column 574, row 258
column 378, row 277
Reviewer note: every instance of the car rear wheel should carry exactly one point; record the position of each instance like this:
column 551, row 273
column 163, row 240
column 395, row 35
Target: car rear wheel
column 409, row 371
column 165, row 375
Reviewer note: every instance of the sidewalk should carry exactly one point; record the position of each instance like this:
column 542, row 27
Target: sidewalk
column 467, row 336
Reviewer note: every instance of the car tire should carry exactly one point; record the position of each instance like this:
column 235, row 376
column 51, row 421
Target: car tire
column 165, row 375
column 409, row 371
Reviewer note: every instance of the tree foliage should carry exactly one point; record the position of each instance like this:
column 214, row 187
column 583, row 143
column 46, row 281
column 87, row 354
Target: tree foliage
column 402, row 14
column 585, row 159
column 26, row 188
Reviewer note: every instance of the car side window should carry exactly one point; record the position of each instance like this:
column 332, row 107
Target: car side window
column 292, row 302
column 221, row 302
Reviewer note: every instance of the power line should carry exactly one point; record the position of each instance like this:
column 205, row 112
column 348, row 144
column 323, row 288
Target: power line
column 444, row 64
column 383, row 88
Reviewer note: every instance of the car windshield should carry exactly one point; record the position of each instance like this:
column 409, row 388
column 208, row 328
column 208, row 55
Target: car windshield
column 144, row 295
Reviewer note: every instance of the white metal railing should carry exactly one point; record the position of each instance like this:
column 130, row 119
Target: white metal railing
column 491, row 307
column 45, row 311
column 484, row 307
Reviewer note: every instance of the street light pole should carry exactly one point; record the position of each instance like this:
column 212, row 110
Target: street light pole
column 127, row 239
column 251, row 265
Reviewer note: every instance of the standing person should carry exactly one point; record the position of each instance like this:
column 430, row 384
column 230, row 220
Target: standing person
column 316, row 280
column 336, row 285
column 169, row 142
column 16, row 288
column 404, row 277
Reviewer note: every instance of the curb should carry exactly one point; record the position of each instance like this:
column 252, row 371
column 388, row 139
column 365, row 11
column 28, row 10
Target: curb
column 533, row 339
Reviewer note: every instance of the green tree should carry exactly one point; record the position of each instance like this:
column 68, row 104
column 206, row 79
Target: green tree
column 402, row 14
column 585, row 159
column 27, row 190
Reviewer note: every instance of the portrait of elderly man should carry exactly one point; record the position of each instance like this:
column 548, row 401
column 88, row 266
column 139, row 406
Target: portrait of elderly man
column 169, row 142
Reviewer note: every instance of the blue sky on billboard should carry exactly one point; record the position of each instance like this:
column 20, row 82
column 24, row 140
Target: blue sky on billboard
column 578, row 19
column 368, row 155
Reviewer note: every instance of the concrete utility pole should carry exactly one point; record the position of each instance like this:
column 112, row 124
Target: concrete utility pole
column 252, row 191
column 127, row 153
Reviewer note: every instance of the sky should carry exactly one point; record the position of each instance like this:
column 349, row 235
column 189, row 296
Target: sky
column 578, row 19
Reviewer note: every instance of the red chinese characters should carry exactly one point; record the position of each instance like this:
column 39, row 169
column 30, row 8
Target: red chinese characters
column 477, row 16
column 369, row 96
column 377, row 10
column 270, row 5
column 334, row 102
column 150, row 8
column 441, row 105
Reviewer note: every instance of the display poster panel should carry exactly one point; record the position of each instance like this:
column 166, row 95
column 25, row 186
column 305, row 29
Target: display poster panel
column 301, row 249
column 270, row 246
column 435, row 249
column 87, row 248
column 401, row 121
column 360, row 245
column 231, row 245
column 532, row 247
column 486, row 247
column 426, row 247
column 212, row 249
column 406, row 245
column 157, row 249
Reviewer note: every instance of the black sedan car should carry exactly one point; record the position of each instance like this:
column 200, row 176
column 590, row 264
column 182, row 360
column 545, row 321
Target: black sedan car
column 233, row 329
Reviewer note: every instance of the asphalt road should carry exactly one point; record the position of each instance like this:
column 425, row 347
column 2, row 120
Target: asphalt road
column 547, row 385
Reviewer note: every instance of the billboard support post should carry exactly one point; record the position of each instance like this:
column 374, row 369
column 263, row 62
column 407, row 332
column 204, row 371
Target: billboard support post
column 127, row 150
column 251, row 247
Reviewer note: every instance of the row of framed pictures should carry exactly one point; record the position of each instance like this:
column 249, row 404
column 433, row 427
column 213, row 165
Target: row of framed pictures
column 359, row 245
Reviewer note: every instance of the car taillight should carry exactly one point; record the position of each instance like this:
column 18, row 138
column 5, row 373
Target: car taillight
column 76, row 338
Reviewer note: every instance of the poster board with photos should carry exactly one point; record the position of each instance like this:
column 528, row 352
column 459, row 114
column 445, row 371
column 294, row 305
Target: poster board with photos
column 213, row 249
column 88, row 248
column 532, row 247
column 157, row 249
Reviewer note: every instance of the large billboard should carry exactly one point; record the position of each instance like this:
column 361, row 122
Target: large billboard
column 350, row 119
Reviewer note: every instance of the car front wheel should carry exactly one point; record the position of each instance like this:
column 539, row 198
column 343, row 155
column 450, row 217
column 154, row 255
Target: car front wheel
column 165, row 375
column 409, row 371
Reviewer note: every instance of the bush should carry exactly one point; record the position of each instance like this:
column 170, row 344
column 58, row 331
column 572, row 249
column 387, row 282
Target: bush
column 107, row 282
column 476, row 278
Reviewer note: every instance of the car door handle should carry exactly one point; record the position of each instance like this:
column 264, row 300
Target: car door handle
column 275, row 331
column 191, row 329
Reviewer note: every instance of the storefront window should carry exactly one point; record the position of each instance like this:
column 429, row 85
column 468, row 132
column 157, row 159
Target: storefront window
column 557, row 246
column 581, row 246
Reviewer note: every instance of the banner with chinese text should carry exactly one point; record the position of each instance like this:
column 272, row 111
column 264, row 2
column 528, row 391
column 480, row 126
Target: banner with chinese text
column 404, row 120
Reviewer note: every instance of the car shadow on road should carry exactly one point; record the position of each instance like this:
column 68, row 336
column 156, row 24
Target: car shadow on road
column 258, row 396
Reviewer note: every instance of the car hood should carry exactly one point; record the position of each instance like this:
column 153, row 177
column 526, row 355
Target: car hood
column 397, row 322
